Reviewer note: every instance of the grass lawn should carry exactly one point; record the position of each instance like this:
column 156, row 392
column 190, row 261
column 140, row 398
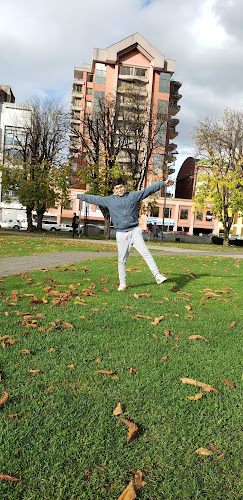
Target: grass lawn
column 12, row 245
column 58, row 432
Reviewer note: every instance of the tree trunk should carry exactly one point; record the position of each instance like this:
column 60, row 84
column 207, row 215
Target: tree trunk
column 40, row 214
column 29, row 218
column 107, row 225
column 226, row 236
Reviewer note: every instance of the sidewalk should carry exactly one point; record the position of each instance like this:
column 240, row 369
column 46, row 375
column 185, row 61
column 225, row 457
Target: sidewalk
column 15, row 265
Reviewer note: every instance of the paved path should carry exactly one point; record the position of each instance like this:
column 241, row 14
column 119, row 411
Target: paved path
column 14, row 265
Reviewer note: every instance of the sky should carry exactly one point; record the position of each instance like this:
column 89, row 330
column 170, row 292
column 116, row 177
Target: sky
column 42, row 41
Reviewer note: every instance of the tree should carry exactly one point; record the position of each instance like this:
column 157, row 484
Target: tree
column 220, row 167
column 41, row 173
column 122, row 127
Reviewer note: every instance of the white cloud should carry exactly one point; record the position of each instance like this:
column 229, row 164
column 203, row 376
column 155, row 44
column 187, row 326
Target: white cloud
column 42, row 41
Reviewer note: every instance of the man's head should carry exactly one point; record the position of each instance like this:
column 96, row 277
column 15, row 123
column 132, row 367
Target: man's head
column 119, row 187
column 74, row 213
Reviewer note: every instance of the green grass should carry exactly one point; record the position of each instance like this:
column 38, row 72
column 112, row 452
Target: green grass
column 200, row 246
column 17, row 244
column 69, row 430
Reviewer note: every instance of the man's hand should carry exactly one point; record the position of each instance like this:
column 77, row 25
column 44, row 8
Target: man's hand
column 169, row 182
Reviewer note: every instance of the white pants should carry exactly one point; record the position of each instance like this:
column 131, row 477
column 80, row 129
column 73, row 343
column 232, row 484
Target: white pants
column 126, row 239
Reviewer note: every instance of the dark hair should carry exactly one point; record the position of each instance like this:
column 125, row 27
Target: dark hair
column 116, row 182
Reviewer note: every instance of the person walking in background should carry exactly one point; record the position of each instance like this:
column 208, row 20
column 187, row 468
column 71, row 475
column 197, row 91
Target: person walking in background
column 155, row 232
column 123, row 208
column 75, row 221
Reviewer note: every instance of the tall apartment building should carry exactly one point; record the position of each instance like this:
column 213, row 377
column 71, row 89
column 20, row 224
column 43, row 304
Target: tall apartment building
column 133, row 65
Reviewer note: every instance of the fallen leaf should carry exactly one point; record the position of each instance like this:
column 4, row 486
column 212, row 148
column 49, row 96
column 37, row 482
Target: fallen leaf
column 106, row 290
column 10, row 341
column 214, row 448
column 128, row 493
column 232, row 325
column 230, row 384
column 105, row 372
column 67, row 325
column 98, row 360
column 155, row 336
column 25, row 351
column 164, row 358
column 220, row 456
column 132, row 428
column 137, row 295
column 4, row 398
column 71, row 366
column 188, row 308
column 204, row 451
column 34, row 371
column 127, row 307
column 114, row 377
column 15, row 415
column 157, row 320
column 52, row 349
column 4, row 337
column 138, row 483
column 196, row 397
column 118, row 410
column 167, row 333
column 176, row 345
column 205, row 387
column 133, row 370
column 9, row 478
column 194, row 337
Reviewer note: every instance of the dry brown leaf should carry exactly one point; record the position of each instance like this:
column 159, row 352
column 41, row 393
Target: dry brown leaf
column 114, row 377
column 52, row 349
column 15, row 415
column 164, row 358
column 204, row 451
column 118, row 410
column 188, row 308
column 230, row 384
column 176, row 345
column 98, row 360
column 167, row 333
column 106, row 290
column 196, row 397
column 132, row 428
column 133, row 371
column 127, row 307
column 71, row 366
column 139, row 483
column 4, row 398
column 155, row 336
column 67, row 325
column 232, row 325
column 128, row 493
column 4, row 337
column 214, row 448
column 220, row 456
column 25, row 351
column 105, row 372
column 9, row 478
column 34, row 371
column 157, row 320
column 194, row 337
column 137, row 295
column 205, row 387
column 10, row 341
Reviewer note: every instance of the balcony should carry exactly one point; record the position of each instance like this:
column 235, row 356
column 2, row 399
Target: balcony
column 77, row 108
column 174, row 109
column 76, row 94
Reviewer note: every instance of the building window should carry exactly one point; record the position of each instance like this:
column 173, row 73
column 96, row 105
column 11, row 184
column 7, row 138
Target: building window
column 89, row 78
column 154, row 212
column 160, row 133
column 209, row 215
column 184, row 214
column 100, row 73
column 77, row 88
column 164, row 83
column 76, row 114
column 14, row 137
column 162, row 110
column 77, row 102
column 98, row 100
column 199, row 216
column 134, row 85
column 129, row 70
column 89, row 91
column 167, row 213
column 88, row 104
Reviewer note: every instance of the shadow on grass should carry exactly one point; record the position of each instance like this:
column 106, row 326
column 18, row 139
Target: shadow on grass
column 177, row 282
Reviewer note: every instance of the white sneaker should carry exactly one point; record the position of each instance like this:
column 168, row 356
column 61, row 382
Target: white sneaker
column 160, row 278
column 121, row 288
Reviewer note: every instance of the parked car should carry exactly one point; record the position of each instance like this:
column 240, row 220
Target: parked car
column 51, row 225
column 24, row 224
column 66, row 227
column 92, row 229
column 10, row 224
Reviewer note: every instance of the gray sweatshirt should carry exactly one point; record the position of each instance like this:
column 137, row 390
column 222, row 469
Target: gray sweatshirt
column 123, row 209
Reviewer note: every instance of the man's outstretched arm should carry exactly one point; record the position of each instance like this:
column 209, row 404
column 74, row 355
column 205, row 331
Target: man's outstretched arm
column 94, row 199
column 157, row 186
